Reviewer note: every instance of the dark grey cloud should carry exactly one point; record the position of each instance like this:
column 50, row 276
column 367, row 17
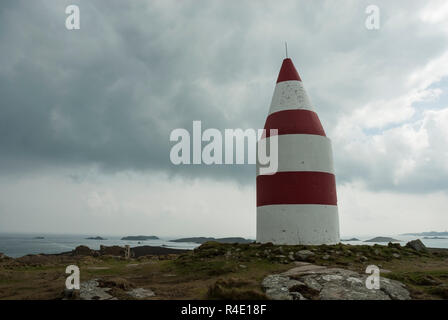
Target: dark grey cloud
column 110, row 93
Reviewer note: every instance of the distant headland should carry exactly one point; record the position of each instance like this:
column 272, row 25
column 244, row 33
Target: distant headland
column 96, row 238
column 201, row 240
column 382, row 239
column 434, row 238
column 428, row 234
column 139, row 238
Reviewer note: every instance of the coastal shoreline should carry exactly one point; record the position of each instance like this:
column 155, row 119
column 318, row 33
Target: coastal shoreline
column 229, row 271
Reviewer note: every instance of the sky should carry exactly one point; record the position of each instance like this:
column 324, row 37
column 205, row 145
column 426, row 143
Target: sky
column 86, row 115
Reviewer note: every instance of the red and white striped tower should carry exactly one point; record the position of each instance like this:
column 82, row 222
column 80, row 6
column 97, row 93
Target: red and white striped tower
column 298, row 204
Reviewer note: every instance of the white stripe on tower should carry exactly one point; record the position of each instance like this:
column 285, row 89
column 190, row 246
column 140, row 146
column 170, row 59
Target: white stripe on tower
column 298, row 204
column 294, row 159
column 277, row 219
column 290, row 95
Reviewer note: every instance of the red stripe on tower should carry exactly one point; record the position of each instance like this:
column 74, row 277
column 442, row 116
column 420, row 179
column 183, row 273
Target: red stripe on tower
column 288, row 72
column 294, row 122
column 300, row 187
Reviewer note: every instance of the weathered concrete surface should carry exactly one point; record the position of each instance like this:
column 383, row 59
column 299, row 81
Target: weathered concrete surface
column 90, row 290
column 98, row 289
column 309, row 281
column 278, row 287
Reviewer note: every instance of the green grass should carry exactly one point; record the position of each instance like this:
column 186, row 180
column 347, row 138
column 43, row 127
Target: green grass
column 235, row 271
column 426, row 283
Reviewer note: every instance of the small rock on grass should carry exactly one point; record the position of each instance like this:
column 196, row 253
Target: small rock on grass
column 141, row 293
column 417, row 245
column 303, row 255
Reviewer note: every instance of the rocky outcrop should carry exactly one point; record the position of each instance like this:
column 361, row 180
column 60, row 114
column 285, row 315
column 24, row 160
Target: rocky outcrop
column 304, row 255
column 98, row 289
column 141, row 251
column 91, row 290
column 280, row 287
column 136, row 252
column 308, row 281
column 416, row 245
column 83, row 251
column 112, row 251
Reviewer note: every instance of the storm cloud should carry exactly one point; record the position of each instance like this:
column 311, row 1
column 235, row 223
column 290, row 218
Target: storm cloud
column 108, row 95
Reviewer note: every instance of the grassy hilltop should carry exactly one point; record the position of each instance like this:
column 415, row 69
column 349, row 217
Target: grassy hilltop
column 219, row 271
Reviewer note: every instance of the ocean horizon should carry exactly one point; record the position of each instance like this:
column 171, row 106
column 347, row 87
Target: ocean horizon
column 16, row 245
column 21, row 244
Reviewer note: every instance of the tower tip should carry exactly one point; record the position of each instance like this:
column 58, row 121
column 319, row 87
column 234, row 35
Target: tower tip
column 288, row 71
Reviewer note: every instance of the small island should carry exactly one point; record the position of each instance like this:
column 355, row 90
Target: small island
column 140, row 238
column 428, row 234
column 352, row 239
column 39, row 238
column 434, row 238
column 95, row 238
column 382, row 239
column 201, row 240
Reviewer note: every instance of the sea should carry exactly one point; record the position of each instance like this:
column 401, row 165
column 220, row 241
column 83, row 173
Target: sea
column 402, row 239
column 18, row 245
